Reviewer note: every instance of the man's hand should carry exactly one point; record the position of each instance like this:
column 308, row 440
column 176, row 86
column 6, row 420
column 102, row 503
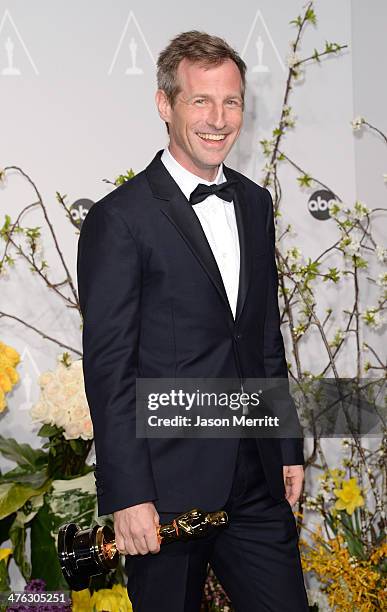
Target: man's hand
column 136, row 529
column 293, row 479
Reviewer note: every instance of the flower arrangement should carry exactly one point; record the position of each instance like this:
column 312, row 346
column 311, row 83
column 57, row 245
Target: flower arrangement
column 51, row 484
column 347, row 551
column 350, row 583
column 63, row 401
column 9, row 358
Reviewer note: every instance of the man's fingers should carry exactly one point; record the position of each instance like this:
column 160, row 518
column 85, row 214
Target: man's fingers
column 130, row 547
column 135, row 529
column 125, row 546
column 140, row 545
column 152, row 542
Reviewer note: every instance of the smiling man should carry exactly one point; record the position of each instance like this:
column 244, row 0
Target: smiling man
column 177, row 279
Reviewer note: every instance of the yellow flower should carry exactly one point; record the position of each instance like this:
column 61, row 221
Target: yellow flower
column 81, row 601
column 10, row 354
column 337, row 476
column 349, row 496
column 2, row 400
column 111, row 600
column 9, row 358
column 350, row 584
column 4, row 553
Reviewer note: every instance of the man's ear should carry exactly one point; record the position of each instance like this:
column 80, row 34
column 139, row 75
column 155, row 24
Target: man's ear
column 163, row 105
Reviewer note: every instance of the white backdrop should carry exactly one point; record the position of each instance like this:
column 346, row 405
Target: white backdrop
column 78, row 107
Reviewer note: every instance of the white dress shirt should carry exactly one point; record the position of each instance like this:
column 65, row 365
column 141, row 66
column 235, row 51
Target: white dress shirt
column 217, row 218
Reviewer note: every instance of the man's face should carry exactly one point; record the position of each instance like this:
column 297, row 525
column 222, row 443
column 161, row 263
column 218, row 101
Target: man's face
column 207, row 115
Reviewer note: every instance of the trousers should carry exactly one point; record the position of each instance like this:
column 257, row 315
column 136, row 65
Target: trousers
column 255, row 557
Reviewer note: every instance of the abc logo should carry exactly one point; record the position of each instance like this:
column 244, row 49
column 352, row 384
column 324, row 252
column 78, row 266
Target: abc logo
column 318, row 204
column 79, row 210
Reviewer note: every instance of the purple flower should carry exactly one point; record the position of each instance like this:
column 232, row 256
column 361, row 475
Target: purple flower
column 36, row 585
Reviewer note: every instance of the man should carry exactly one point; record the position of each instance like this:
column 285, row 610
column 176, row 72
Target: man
column 177, row 282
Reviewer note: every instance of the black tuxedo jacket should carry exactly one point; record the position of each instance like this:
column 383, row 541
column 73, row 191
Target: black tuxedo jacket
column 154, row 305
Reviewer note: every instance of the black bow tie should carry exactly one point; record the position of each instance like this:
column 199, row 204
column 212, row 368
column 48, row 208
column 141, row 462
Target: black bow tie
column 225, row 191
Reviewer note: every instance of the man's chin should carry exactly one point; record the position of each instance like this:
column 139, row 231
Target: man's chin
column 212, row 159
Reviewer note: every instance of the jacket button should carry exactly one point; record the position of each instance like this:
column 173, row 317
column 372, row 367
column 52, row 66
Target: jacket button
column 238, row 336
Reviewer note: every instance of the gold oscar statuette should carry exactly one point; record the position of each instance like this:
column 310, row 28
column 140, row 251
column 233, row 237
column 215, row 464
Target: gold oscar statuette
column 90, row 552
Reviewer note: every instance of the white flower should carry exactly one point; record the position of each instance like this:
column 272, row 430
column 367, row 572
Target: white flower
column 87, row 429
column 359, row 211
column 350, row 245
column 40, row 412
column 372, row 318
column 78, row 413
column 298, row 74
column 292, row 59
column 381, row 254
column 357, row 123
column 354, row 247
column 293, row 255
column 45, row 378
column 338, row 338
column 334, row 207
column 382, row 280
column 269, row 168
column 63, row 401
column 72, row 431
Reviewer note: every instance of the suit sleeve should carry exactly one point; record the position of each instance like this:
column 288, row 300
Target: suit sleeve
column 274, row 351
column 109, row 283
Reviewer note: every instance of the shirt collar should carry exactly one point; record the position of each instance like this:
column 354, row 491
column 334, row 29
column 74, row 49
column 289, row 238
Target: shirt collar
column 186, row 180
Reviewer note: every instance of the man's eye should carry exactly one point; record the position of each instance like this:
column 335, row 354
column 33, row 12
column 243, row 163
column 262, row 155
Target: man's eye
column 200, row 101
column 233, row 102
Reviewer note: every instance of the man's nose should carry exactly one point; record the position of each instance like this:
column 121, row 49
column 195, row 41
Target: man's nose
column 216, row 117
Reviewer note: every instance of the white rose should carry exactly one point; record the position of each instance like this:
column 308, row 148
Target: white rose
column 52, row 390
column 45, row 378
column 40, row 412
column 72, row 431
column 87, row 429
column 78, row 413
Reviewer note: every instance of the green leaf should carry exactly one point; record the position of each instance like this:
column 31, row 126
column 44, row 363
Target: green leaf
column 13, row 496
column 22, row 454
column 47, row 431
column 17, row 534
column 4, row 577
column 305, row 180
column 78, row 446
column 22, row 476
column 360, row 262
column 316, row 55
column 297, row 21
column 123, row 178
column 310, row 15
column 44, row 556
column 355, row 546
column 332, row 275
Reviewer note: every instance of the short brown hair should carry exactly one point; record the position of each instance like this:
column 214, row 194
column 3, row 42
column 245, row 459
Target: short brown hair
column 197, row 47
